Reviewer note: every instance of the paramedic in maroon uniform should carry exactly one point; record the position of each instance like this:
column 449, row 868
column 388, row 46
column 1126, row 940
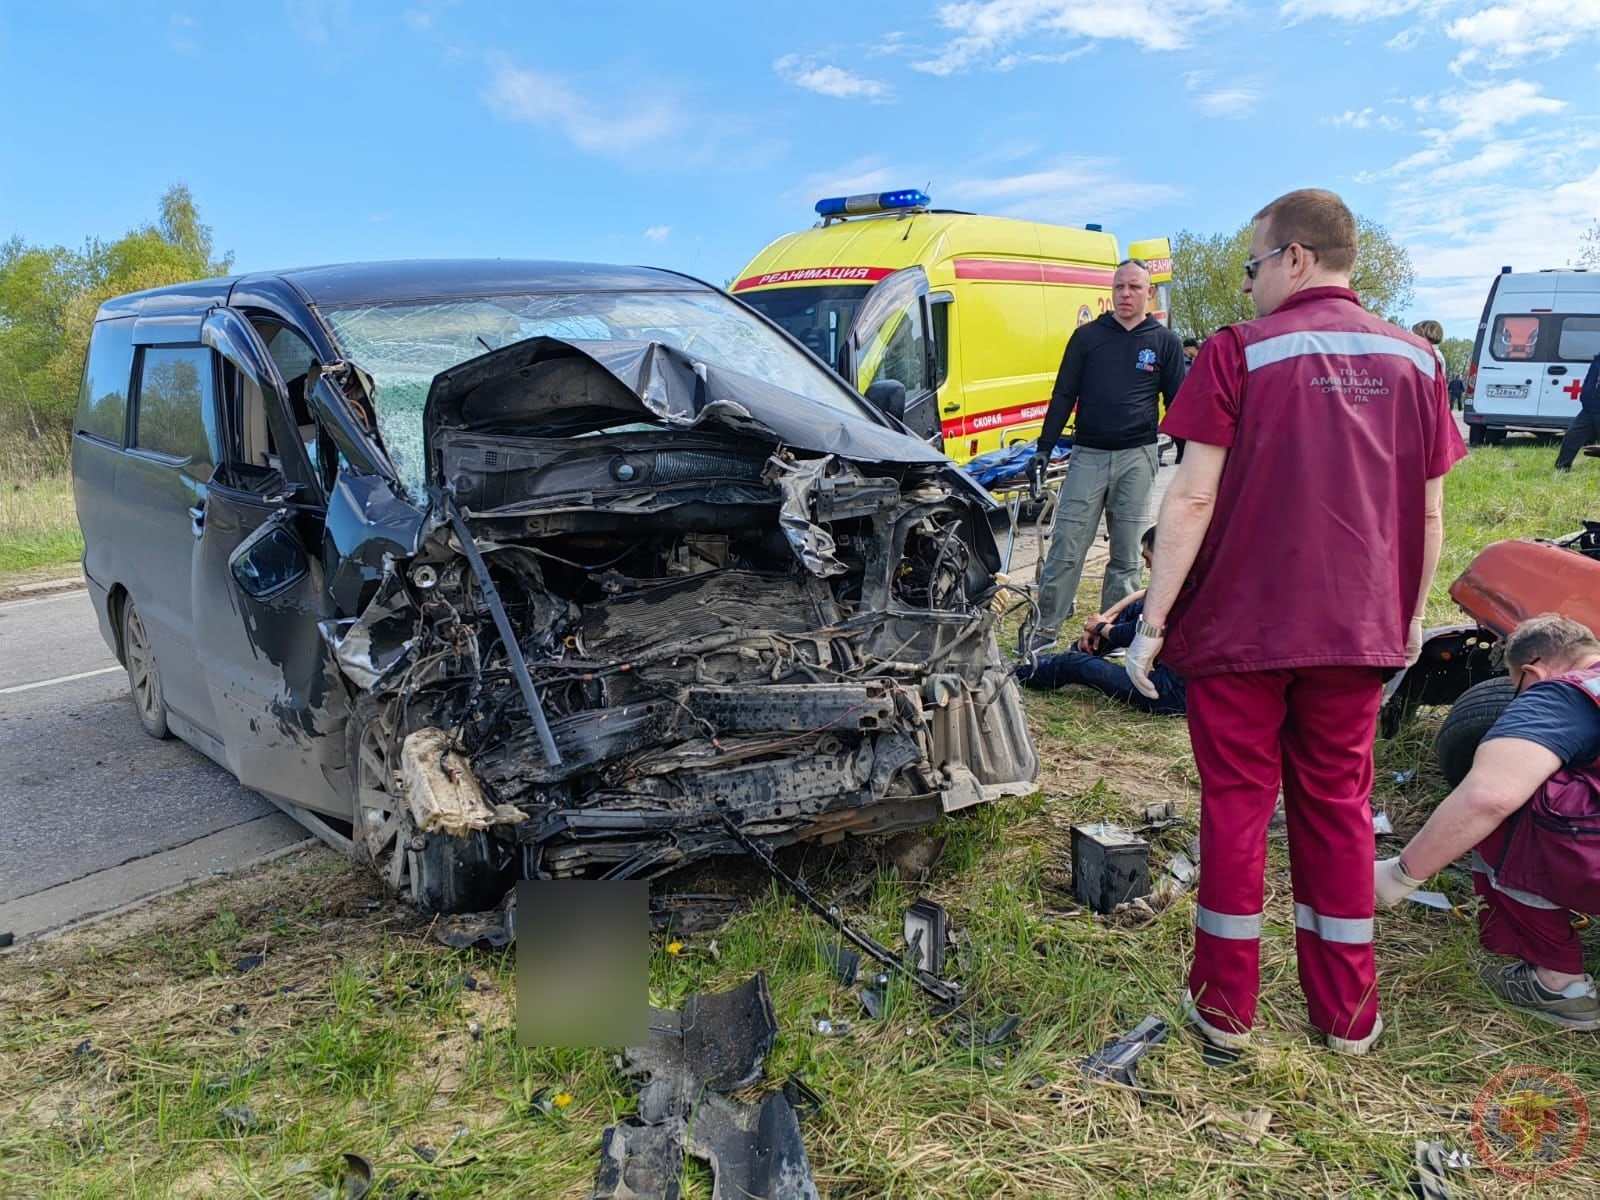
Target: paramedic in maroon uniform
column 1298, row 542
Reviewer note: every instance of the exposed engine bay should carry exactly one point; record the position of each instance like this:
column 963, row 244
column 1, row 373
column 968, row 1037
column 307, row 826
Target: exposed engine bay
column 714, row 630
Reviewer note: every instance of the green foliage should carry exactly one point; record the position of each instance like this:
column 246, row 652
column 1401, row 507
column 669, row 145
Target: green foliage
column 1457, row 356
column 48, row 298
column 1589, row 247
column 1208, row 271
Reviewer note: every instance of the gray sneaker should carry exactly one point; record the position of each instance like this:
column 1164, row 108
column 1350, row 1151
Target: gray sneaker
column 1032, row 641
column 1578, row 1007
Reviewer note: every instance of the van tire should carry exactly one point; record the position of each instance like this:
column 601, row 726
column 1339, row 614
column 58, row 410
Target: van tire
column 435, row 871
column 1493, row 436
column 1475, row 436
column 1471, row 716
column 144, row 676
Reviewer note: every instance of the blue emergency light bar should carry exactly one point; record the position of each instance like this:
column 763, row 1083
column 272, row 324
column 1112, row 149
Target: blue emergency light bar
column 872, row 202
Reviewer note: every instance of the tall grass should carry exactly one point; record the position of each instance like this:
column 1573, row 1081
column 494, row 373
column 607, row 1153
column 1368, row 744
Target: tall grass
column 38, row 523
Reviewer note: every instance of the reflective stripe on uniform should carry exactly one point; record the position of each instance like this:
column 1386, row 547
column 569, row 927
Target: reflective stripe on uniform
column 1333, row 343
column 1481, row 866
column 1350, row 931
column 1225, row 925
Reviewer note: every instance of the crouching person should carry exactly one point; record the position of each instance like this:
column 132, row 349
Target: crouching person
column 1530, row 812
column 1087, row 666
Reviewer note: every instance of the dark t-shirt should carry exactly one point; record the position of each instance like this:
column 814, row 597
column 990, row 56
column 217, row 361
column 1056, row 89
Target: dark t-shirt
column 1115, row 378
column 1556, row 716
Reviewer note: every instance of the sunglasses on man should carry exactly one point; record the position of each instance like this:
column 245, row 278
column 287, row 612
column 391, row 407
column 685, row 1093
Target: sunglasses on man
column 1254, row 264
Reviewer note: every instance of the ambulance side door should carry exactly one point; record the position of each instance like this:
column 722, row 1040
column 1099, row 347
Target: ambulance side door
column 891, row 339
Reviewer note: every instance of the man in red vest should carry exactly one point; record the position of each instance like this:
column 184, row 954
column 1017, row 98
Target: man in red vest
column 1530, row 812
column 1298, row 542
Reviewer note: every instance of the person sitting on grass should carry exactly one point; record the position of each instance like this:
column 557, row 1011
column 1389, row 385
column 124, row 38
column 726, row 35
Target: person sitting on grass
column 1529, row 810
column 1103, row 632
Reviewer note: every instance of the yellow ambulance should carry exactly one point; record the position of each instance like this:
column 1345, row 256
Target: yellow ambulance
column 970, row 313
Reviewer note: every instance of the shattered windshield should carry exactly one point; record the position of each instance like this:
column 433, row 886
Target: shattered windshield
column 404, row 344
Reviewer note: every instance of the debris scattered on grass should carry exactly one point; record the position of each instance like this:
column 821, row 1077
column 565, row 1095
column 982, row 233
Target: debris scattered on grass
column 1433, row 1161
column 828, row 1027
column 239, row 1117
column 1118, row 1060
column 969, row 1034
column 1381, row 825
column 1236, row 1128
column 716, row 1044
column 249, row 963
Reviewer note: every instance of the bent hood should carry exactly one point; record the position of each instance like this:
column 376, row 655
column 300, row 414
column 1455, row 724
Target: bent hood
column 546, row 387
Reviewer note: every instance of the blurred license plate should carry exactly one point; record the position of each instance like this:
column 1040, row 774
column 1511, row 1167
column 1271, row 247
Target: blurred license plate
column 1508, row 391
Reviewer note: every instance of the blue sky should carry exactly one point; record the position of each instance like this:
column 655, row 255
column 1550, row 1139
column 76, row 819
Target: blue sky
column 689, row 135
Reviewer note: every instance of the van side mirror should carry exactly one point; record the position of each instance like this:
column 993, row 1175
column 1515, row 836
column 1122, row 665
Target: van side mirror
column 269, row 561
column 888, row 396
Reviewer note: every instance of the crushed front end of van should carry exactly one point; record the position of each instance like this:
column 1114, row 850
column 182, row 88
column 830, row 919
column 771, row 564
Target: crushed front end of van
column 652, row 601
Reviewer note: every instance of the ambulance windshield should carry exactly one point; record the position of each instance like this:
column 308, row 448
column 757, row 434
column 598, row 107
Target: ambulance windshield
column 818, row 316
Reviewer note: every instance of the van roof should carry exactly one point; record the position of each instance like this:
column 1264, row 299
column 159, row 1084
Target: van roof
column 894, row 241
column 411, row 279
column 1558, row 281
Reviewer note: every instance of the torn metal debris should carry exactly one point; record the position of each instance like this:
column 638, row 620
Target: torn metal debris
column 945, row 992
column 715, row 1045
column 1118, row 1060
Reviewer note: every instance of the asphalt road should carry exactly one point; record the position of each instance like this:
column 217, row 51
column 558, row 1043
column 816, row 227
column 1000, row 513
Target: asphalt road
column 96, row 813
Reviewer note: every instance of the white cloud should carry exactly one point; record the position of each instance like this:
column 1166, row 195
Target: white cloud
column 548, row 101
column 377, row 218
column 317, row 20
column 855, row 178
column 828, row 80
column 1406, row 39
column 1505, row 34
column 1364, row 118
column 1523, row 203
column 1478, row 111
column 981, row 29
column 1345, row 10
column 658, row 233
column 1069, row 191
column 181, row 35
column 1229, row 102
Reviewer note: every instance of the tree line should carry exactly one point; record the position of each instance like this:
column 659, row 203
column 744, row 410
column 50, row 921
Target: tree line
column 48, row 298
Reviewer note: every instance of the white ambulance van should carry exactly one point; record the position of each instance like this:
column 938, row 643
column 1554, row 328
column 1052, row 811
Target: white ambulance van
column 1539, row 331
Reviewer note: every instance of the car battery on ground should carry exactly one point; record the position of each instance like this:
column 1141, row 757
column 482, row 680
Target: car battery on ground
column 1110, row 866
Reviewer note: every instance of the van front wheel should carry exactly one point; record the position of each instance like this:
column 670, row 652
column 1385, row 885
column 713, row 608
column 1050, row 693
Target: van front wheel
column 436, row 872
column 144, row 678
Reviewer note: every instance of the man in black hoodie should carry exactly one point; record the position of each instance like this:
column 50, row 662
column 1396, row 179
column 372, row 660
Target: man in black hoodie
column 1114, row 373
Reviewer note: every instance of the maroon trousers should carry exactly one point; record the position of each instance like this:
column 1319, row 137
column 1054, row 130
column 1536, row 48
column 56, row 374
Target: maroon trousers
column 1520, row 924
column 1311, row 730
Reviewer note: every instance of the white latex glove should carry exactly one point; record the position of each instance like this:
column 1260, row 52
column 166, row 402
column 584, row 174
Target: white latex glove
column 1391, row 883
column 1140, row 658
column 1414, row 642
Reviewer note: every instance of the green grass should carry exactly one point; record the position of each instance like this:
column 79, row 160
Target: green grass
column 356, row 1032
column 38, row 526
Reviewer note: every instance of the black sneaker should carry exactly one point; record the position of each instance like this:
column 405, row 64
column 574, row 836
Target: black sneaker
column 1578, row 1007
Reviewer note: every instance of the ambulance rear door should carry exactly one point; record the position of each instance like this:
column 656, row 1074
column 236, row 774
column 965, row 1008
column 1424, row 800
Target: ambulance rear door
column 1511, row 361
column 890, row 338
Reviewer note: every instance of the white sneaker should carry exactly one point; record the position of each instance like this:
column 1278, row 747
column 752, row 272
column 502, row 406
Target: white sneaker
column 1220, row 1038
column 1356, row 1046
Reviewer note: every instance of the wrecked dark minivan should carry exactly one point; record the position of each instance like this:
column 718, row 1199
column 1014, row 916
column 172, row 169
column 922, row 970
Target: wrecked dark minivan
column 533, row 570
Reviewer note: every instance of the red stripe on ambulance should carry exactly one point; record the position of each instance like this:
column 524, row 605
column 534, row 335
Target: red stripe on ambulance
column 1021, row 414
column 1029, row 271
column 815, row 275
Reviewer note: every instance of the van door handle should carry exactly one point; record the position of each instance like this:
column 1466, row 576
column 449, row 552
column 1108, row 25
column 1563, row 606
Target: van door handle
column 1556, row 371
column 197, row 519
